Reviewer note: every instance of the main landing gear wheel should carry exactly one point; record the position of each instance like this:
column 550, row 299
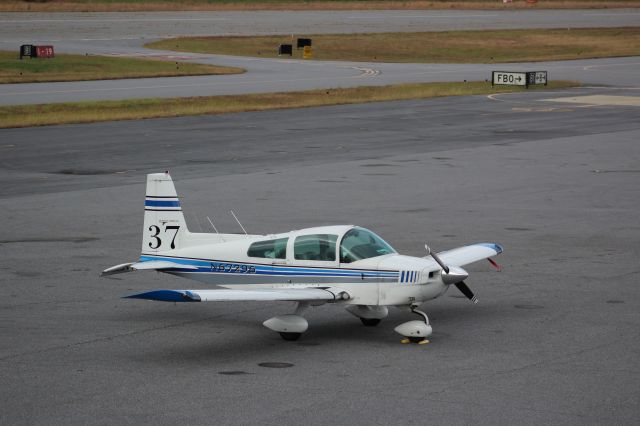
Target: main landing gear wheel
column 289, row 326
column 370, row 322
column 291, row 337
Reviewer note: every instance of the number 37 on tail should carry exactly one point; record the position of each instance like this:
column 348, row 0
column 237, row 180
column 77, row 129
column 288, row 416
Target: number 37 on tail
column 345, row 264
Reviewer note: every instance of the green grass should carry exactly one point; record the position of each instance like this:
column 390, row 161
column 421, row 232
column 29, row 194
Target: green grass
column 87, row 112
column 79, row 67
column 433, row 47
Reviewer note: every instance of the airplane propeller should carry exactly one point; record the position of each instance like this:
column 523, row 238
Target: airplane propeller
column 453, row 275
column 466, row 291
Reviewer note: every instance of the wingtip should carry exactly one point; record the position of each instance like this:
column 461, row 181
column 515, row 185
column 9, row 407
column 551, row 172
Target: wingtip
column 493, row 246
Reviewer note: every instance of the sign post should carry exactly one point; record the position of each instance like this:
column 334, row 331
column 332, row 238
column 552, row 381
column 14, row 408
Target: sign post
column 307, row 53
column 44, row 51
column 26, row 50
column 36, row 51
column 285, row 49
column 302, row 42
column 537, row 77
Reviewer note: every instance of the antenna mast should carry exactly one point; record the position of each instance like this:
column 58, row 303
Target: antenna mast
column 236, row 218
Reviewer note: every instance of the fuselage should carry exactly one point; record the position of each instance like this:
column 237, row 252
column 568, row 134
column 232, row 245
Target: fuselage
column 351, row 258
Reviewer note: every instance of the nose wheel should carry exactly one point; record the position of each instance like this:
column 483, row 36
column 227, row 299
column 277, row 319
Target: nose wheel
column 415, row 331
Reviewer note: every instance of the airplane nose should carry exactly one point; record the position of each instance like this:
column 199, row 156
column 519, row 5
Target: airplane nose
column 455, row 275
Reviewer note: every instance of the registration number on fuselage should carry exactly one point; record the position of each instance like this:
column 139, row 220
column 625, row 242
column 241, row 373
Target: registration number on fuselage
column 233, row 268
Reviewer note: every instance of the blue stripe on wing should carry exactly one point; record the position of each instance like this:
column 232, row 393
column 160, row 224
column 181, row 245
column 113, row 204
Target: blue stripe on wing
column 161, row 203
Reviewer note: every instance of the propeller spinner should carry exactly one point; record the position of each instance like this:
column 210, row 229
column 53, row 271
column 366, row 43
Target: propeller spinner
column 453, row 275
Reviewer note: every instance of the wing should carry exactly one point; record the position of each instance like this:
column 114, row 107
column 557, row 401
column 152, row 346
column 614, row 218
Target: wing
column 468, row 254
column 285, row 294
column 155, row 265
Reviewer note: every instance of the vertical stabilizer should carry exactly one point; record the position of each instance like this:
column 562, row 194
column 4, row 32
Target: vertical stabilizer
column 164, row 225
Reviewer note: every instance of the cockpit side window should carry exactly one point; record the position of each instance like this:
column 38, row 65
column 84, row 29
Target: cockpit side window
column 359, row 243
column 270, row 249
column 315, row 247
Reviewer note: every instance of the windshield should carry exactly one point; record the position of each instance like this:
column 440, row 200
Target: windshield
column 360, row 243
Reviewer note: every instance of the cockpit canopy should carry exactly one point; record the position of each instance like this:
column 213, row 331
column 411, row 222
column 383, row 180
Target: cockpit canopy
column 356, row 244
column 360, row 243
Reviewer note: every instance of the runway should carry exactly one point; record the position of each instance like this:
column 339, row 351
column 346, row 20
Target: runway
column 125, row 34
column 113, row 28
column 554, row 339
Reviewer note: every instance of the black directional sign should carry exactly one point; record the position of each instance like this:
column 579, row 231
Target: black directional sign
column 302, row 42
column 537, row 77
column 285, row 49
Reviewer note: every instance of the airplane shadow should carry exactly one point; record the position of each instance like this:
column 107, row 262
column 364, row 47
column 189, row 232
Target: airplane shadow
column 232, row 339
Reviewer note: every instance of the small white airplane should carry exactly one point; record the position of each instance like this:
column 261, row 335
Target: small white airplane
column 343, row 264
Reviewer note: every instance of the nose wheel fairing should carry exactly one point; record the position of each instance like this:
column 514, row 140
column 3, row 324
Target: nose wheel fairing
column 415, row 331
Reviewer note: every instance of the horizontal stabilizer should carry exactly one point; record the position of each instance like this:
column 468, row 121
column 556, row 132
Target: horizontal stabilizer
column 293, row 294
column 155, row 265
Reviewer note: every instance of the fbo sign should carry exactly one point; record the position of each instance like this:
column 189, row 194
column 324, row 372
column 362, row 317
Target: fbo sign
column 510, row 78
column 526, row 79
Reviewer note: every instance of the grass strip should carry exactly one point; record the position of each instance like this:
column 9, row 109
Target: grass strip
column 87, row 112
column 176, row 5
column 494, row 46
column 80, row 67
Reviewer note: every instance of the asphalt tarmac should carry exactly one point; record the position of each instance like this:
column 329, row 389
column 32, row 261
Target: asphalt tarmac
column 553, row 340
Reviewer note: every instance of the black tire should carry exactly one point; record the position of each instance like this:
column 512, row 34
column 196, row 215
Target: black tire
column 290, row 336
column 370, row 322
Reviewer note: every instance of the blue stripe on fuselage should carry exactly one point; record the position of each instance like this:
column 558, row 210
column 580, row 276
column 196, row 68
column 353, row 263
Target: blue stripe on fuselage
column 260, row 269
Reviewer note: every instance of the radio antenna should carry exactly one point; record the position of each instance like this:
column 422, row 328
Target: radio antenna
column 214, row 228
column 212, row 225
column 198, row 222
column 236, row 218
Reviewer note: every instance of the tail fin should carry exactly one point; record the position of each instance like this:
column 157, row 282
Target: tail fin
column 164, row 225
